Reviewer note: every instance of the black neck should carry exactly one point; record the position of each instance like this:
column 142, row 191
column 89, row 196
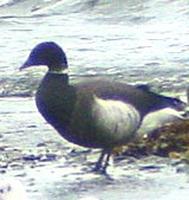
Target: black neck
column 59, row 77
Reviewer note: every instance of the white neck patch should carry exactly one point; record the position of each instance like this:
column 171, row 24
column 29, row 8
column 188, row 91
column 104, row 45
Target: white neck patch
column 61, row 71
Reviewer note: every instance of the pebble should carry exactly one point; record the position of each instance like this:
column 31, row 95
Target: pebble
column 31, row 157
column 48, row 157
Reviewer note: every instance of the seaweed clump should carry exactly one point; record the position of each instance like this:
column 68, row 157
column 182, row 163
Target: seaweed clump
column 171, row 140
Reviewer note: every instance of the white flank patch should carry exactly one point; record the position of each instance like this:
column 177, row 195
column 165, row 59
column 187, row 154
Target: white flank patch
column 11, row 189
column 115, row 119
column 158, row 119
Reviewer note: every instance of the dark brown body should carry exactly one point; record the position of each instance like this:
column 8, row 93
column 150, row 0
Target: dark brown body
column 69, row 108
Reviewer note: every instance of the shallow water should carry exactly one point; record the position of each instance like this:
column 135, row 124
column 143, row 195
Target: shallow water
column 129, row 40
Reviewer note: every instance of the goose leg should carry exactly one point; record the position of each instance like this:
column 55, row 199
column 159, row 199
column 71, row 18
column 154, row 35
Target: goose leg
column 98, row 165
column 103, row 170
column 103, row 161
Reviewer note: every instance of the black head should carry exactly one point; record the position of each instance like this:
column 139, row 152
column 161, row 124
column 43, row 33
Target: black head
column 49, row 54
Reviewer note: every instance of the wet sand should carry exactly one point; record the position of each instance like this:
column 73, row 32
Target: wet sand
column 51, row 168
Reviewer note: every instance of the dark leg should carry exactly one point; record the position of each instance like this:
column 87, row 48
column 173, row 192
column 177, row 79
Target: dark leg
column 98, row 165
column 103, row 170
column 102, row 164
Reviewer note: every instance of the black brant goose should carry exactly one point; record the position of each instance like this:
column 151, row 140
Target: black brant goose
column 97, row 113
